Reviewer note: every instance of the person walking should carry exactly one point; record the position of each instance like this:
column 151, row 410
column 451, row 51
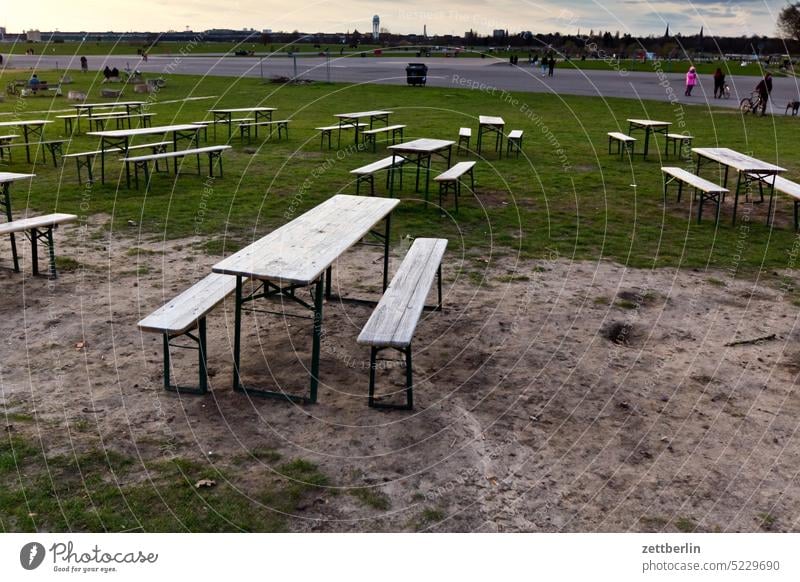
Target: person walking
column 84, row 65
column 544, row 65
column 719, row 83
column 551, row 65
column 764, row 88
column 691, row 81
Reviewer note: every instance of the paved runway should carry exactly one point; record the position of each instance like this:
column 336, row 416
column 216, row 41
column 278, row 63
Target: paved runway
column 482, row 74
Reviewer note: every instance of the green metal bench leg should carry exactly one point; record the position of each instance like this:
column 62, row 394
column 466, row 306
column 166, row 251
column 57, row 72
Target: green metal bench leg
column 409, row 405
column 34, row 251
column 51, row 252
column 202, row 350
column 7, row 206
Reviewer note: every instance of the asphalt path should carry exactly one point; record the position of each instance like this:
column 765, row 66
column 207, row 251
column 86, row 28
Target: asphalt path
column 486, row 75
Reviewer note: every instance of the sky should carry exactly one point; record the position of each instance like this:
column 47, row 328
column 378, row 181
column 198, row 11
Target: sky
column 637, row 17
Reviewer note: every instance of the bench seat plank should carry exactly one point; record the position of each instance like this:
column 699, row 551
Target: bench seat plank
column 455, row 172
column 383, row 129
column 46, row 220
column 335, row 127
column 394, row 320
column 178, row 154
column 382, row 164
column 694, row 180
column 181, row 314
column 620, row 136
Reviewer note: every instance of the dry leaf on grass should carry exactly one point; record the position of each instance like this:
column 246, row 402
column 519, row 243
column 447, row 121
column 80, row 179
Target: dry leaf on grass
column 204, row 483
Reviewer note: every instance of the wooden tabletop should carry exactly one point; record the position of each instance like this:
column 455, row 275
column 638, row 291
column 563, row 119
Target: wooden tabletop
column 36, row 222
column 242, row 109
column 145, row 130
column 13, row 177
column 358, row 114
column 423, row 145
column 489, row 120
column 649, row 123
column 738, row 161
column 300, row 251
column 106, row 105
column 21, row 123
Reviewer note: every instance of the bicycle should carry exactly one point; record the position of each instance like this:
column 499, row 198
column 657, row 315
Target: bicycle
column 750, row 104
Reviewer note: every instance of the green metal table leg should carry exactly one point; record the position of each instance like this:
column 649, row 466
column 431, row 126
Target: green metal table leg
column 315, row 348
column 386, row 241
column 237, row 335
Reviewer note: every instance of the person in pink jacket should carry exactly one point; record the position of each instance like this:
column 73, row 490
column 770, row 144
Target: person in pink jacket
column 691, row 81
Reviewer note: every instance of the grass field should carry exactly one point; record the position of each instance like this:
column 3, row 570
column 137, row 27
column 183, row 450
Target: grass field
column 564, row 195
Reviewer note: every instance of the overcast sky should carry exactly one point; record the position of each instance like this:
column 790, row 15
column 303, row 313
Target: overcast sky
column 734, row 17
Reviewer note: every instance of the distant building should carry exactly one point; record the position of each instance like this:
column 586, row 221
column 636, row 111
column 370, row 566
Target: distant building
column 498, row 33
column 376, row 26
column 33, row 36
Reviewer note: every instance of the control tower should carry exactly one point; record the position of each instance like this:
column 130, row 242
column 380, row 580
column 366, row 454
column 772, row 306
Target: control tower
column 376, row 26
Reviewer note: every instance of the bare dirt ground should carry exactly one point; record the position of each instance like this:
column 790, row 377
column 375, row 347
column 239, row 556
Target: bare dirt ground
column 551, row 395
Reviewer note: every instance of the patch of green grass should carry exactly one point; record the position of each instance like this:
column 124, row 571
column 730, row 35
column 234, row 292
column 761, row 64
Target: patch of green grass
column 105, row 490
column 685, row 525
column 626, row 304
column 138, row 251
column 371, row 497
column 426, row 518
column 16, row 417
column 513, row 278
column 66, row 264
column 766, row 521
column 602, row 300
column 717, row 282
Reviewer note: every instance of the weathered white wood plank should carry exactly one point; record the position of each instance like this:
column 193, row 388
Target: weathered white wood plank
column 14, row 176
column 144, row 130
column 382, row 129
column 738, row 161
column 178, row 154
column 455, row 172
column 24, row 224
column 422, row 145
column 300, row 251
column 396, row 316
column 491, row 120
column 620, row 136
column 181, row 314
column 693, row 180
column 381, row 164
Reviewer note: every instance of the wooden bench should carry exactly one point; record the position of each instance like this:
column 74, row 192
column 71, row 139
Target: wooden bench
column 183, row 314
column 625, row 143
column 86, row 159
column 245, row 129
column 679, row 141
column 784, row 186
column 371, row 135
column 514, row 142
column 37, row 229
column 464, row 135
column 143, row 162
column 328, row 130
column 367, row 173
column 55, row 147
column 395, row 318
column 709, row 191
column 450, row 180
